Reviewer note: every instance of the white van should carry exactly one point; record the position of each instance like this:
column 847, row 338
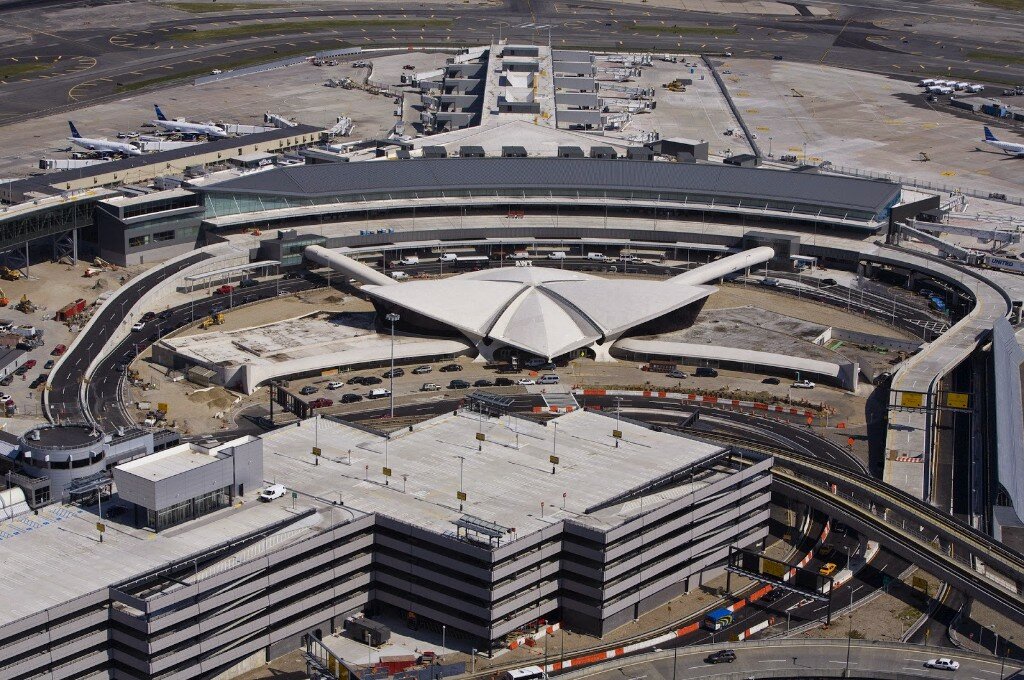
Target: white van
column 519, row 255
column 549, row 379
column 528, row 673
column 272, row 492
column 378, row 393
column 399, row 276
column 409, row 260
column 448, row 257
column 596, row 256
column 557, row 255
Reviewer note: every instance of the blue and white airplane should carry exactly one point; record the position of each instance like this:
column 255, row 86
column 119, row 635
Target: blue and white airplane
column 1012, row 148
column 102, row 145
column 165, row 123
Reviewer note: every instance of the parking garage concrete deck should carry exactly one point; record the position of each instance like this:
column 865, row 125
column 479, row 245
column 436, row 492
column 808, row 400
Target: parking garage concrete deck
column 507, row 477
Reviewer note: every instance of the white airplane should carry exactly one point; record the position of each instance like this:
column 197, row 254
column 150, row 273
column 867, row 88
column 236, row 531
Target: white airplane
column 1012, row 148
column 164, row 123
column 102, row 145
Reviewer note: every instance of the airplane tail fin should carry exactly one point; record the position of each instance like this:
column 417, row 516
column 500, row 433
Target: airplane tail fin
column 74, row 130
column 989, row 137
column 159, row 114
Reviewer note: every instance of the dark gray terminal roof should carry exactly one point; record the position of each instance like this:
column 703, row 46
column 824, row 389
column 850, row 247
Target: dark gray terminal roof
column 429, row 174
column 43, row 184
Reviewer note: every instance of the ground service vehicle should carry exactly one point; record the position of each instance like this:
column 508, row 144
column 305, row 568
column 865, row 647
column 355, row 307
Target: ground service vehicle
column 272, row 492
column 717, row 619
column 378, row 393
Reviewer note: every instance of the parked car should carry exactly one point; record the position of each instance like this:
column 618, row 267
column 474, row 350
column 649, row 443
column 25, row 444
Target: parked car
column 322, row 402
column 548, row 379
column 59, row 350
column 804, row 384
column 828, row 569
column 372, row 380
column 394, row 373
column 272, row 492
column 943, row 663
column 449, row 368
column 224, row 290
column 503, row 382
column 309, row 389
column 49, row 363
column 676, row 374
column 355, row 380
column 526, row 381
column 459, row 385
column 378, row 393
column 721, row 656
column 350, row 398
column 21, row 370
column 7, row 381
column 705, row 372
column 420, row 370
column 770, row 381
column 335, row 385
column 30, row 364
column 148, row 316
column 430, row 387
column 483, row 382
column 40, row 379
column 248, row 283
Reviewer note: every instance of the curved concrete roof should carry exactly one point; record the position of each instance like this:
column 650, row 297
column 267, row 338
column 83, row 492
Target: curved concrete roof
column 585, row 174
column 545, row 311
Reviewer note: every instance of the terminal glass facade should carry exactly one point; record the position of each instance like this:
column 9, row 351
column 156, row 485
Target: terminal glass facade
column 190, row 509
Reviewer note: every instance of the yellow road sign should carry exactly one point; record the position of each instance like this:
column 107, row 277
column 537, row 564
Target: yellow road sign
column 912, row 399
column 957, row 400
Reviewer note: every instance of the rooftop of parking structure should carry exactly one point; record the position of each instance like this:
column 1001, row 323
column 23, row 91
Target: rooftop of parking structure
column 507, row 477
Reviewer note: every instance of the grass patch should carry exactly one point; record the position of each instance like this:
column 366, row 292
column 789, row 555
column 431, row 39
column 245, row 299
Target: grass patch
column 684, row 30
column 209, row 7
column 205, row 70
column 307, row 26
column 997, row 57
column 13, row 69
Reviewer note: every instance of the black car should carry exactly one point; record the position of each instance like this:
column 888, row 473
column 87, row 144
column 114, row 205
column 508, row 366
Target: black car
column 166, row 314
column 309, row 389
column 40, row 379
column 355, row 380
column 22, row 370
column 350, row 398
column 503, row 382
column 770, row 381
column 721, row 656
column 483, row 382
column 705, row 372
column 449, row 368
column 459, row 385
column 395, row 373
column 148, row 316
column 773, row 595
column 248, row 283
column 49, row 363
column 372, row 380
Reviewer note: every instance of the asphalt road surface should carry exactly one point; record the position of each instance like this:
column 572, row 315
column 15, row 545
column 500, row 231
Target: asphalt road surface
column 127, row 56
column 104, row 395
column 785, row 659
column 65, row 382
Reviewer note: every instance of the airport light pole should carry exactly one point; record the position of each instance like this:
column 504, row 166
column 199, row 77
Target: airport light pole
column 393, row 318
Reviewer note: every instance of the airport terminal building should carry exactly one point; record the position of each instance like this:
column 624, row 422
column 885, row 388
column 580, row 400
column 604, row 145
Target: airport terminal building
column 484, row 525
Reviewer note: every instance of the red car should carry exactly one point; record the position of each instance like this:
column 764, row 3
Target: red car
column 30, row 364
column 224, row 290
column 59, row 350
column 322, row 402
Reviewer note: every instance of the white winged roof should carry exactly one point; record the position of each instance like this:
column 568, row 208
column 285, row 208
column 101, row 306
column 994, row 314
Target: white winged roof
column 541, row 310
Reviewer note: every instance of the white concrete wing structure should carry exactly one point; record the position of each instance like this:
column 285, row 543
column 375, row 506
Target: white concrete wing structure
column 542, row 311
